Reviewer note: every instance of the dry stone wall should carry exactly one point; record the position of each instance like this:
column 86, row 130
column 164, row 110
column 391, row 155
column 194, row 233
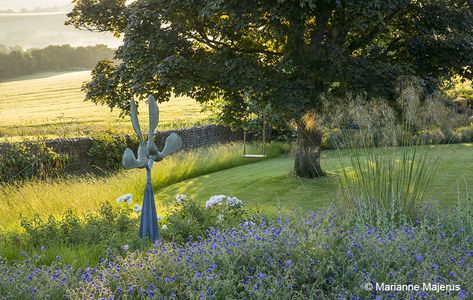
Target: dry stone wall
column 193, row 137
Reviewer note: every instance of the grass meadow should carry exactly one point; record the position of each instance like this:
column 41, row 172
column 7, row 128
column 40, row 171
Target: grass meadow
column 51, row 105
column 268, row 186
column 84, row 194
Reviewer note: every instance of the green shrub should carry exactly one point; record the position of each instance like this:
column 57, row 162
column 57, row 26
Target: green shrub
column 431, row 136
column 107, row 149
column 465, row 133
column 109, row 227
column 28, row 160
column 187, row 220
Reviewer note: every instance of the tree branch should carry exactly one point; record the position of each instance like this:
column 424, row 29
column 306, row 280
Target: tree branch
column 232, row 46
column 376, row 30
column 320, row 29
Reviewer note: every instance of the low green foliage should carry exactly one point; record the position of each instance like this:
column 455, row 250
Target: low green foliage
column 108, row 224
column 107, row 149
column 187, row 220
column 113, row 229
column 100, row 232
column 465, row 133
column 27, row 160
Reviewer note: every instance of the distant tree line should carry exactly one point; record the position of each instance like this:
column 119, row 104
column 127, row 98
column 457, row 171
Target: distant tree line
column 15, row 61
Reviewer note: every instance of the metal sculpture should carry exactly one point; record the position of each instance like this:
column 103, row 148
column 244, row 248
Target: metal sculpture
column 148, row 153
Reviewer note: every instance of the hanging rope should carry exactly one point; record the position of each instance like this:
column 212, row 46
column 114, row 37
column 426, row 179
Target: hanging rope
column 263, row 146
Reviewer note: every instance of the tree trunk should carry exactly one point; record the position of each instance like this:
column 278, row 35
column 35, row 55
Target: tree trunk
column 309, row 139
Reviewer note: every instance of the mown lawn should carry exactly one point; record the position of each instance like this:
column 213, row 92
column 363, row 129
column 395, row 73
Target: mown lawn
column 270, row 185
column 52, row 105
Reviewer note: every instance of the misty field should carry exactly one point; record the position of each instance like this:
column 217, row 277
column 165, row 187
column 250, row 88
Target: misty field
column 38, row 30
column 51, row 105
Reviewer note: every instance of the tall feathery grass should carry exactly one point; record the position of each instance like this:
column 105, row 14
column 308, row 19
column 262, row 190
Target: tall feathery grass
column 384, row 185
column 387, row 171
column 84, row 194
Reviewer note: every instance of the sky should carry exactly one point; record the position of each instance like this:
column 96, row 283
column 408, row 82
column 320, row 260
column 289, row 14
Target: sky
column 30, row 4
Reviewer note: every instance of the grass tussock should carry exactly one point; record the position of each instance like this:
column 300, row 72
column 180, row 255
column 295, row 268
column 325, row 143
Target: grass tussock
column 384, row 186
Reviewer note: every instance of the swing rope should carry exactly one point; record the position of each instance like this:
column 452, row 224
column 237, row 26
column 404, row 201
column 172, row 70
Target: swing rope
column 263, row 146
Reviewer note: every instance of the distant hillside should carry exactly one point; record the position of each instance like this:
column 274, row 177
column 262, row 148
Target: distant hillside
column 32, row 5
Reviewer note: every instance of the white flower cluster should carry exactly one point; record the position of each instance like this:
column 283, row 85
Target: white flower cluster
column 181, row 198
column 214, row 200
column 218, row 200
column 128, row 198
column 234, row 202
column 137, row 208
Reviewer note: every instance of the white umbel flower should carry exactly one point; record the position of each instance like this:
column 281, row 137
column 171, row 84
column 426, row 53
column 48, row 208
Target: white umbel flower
column 164, row 227
column 234, row 202
column 137, row 208
column 127, row 197
column 214, row 200
column 181, row 198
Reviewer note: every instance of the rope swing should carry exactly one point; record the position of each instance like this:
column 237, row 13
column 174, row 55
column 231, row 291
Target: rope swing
column 263, row 142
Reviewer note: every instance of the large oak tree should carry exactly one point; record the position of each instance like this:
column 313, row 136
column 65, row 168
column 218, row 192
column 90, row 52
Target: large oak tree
column 285, row 53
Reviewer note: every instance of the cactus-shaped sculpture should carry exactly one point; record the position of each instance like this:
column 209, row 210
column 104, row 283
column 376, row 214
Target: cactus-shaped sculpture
column 148, row 153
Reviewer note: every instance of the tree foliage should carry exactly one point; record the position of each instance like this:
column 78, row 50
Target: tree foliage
column 284, row 52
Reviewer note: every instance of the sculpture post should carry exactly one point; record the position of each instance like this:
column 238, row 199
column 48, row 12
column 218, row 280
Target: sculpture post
column 148, row 153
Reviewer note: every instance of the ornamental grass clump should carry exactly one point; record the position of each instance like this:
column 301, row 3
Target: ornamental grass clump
column 386, row 170
column 385, row 185
column 385, row 173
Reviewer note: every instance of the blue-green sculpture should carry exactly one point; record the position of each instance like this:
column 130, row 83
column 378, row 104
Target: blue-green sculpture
column 148, row 153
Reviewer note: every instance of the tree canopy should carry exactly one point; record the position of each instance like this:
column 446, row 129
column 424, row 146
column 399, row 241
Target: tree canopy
column 286, row 53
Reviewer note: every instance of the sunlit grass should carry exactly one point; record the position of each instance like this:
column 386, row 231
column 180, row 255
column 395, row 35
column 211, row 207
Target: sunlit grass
column 267, row 186
column 52, row 105
column 84, row 194
column 270, row 185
